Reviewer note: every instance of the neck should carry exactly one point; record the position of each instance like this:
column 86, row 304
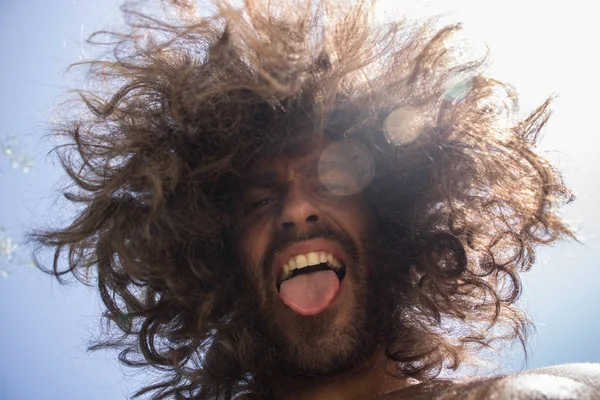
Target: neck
column 368, row 382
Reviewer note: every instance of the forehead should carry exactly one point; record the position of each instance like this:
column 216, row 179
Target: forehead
column 300, row 162
column 324, row 160
column 308, row 160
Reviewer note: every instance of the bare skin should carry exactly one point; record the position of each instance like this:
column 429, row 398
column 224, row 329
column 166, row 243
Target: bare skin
column 560, row 382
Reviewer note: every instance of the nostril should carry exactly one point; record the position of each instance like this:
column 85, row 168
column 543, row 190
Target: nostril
column 287, row 225
column 312, row 218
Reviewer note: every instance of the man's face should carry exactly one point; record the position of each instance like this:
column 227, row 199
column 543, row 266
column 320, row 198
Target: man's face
column 301, row 229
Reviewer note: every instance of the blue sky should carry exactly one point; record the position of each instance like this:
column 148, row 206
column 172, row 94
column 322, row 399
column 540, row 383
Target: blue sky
column 46, row 327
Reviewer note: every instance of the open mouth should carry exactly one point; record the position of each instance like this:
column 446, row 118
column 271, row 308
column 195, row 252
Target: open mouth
column 311, row 262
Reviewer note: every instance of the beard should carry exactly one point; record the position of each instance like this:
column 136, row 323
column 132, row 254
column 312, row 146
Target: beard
column 319, row 345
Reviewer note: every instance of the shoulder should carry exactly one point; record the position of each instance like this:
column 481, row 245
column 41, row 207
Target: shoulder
column 568, row 381
column 559, row 382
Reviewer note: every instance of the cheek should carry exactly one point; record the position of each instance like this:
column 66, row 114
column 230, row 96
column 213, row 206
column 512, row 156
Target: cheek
column 254, row 243
column 355, row 217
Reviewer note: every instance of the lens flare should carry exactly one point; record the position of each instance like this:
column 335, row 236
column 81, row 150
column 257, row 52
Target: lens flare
column 349, row 163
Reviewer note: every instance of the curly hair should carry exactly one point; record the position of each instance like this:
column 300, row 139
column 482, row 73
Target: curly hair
column 185, row 101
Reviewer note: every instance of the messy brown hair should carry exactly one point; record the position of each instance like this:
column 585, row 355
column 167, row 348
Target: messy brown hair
column 186, row 99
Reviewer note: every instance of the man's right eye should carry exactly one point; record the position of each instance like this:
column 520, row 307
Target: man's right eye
column 254, row 205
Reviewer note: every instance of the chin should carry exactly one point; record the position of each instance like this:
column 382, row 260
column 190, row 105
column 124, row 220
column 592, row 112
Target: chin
column 340, row 351
column 328, row 343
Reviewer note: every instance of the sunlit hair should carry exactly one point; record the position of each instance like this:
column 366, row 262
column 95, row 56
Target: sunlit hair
column 182, row 105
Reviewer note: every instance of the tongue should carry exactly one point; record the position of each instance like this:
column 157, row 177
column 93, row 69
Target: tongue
column 309, row 294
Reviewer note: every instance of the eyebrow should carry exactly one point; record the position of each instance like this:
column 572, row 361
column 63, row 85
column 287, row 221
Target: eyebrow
column 308, row 169
column 314, row 166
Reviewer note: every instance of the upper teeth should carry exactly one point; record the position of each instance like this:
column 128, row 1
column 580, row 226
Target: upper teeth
column 308, row 259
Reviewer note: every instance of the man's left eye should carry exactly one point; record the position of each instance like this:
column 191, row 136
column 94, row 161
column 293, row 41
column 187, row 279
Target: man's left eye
column 333, row 189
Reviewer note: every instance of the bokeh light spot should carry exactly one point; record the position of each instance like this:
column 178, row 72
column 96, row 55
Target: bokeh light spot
column 351, row 162
column 403, row 125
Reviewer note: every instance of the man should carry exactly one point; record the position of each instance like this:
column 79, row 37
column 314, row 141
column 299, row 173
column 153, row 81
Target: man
column 286, row 201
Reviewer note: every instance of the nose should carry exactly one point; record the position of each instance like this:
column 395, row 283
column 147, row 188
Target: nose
column 298, row 210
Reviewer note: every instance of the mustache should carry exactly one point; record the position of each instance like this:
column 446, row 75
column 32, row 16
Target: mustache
column 288, row 237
